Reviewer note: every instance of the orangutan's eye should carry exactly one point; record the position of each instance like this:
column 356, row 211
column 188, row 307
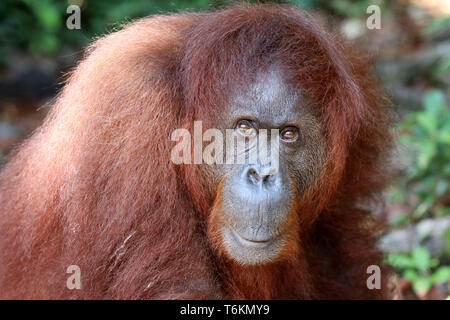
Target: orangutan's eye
column 246, row 128
column 289, row 134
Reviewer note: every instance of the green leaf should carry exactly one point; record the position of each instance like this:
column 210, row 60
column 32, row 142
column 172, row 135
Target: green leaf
column 400, row 261
column 437, row 24
column 441, row 69
column 421, row 258
column 427, row 121
column 447, row 243
column 421, row 209
column 442, row 212
column 444, row 136
column 421, row 286
column 399, row 221
column 50, row 18
column 411, row 275
column 406, row 140
column 441, row 187
column 426, row 153
column 434, row 102
column 441, row 275
column 398, row 195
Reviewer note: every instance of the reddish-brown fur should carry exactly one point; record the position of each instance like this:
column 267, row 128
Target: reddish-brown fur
column 95, row 187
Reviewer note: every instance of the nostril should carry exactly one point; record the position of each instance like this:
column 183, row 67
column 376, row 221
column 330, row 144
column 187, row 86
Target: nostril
column 267, row 178
column 270, row 176
column 253, row 176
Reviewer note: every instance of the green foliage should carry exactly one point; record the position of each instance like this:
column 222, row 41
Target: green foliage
column 32, row 24
column 351, row 8
column 39, row 27
column 440, row 70
column 437, row 24
column 420, row 268
column 426, row 134
column 447, row 244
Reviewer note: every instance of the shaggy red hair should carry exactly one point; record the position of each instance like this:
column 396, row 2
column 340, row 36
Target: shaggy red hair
column 95, row 187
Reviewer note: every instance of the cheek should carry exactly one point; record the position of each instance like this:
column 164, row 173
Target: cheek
column 212, row 175
column 306, row 168
column 306, row 164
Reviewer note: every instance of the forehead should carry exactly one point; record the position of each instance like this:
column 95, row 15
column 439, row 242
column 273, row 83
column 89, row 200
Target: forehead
column 269, row 99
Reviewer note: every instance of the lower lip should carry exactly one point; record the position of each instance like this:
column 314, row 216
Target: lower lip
column 259, row 243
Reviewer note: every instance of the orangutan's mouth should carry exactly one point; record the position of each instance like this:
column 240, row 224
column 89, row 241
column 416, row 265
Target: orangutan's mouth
column 247, row 241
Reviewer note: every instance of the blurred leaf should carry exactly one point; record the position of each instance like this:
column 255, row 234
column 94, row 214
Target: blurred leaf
column 421, row 286
column 305, row 4
column 437, row 24
column 426, row 153
column 45, row 44
column 399, row 221
column 442, row 212
column 447, row 244
column 441, row 69
column 441, row 275
column 444, row 136
column 48, row 14
column 434, row 102
column 441, row 187
column 411, row 275
column 400, row 261
column 421, row 258
column 398, row 195
column 428, row 120
column 49, row 17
